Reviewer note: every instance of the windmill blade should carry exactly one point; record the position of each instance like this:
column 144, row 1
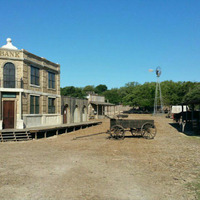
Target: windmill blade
column 151, row 70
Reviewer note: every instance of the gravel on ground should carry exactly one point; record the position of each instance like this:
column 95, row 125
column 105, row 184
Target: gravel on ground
column 98, row 168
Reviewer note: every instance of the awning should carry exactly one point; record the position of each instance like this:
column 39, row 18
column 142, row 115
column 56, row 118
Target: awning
column 101, row 103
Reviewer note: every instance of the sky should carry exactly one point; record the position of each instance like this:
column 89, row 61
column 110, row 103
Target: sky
column 109, row 42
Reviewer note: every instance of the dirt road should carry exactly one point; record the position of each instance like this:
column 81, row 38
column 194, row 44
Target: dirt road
column 96, row 168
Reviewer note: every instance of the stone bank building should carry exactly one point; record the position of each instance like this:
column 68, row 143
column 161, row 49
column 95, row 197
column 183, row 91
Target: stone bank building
column 29, row 89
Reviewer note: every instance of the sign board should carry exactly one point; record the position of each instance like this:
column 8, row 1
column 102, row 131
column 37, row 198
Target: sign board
column 9, row 95
column 10, row 54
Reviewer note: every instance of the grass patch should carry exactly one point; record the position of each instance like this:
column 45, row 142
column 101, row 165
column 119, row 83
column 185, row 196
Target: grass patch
column 195, row 138
column 195, row 186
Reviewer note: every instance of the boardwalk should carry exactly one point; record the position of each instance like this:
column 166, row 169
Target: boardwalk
column 43, row 131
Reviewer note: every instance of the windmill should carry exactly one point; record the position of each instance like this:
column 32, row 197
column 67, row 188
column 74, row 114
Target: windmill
column 158, row 102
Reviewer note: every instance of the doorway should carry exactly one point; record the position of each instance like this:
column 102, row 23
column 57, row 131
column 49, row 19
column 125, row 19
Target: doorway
column 84, row 114
column 8, row 114
column 66, row 115
column 76, row 115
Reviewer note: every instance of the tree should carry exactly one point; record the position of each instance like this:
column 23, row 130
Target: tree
column 99, row 89
column 72, row 91
column 113, row 96
column 141, row 95
column 193, row 95
column 174, row 92
column 89, row 88
column 171, row 92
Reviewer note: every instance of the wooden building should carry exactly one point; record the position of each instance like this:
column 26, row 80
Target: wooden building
column 98, row 108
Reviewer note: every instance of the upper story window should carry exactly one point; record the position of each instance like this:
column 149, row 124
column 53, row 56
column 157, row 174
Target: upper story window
column 9, row 75
column 35, row 76
column 51, row 80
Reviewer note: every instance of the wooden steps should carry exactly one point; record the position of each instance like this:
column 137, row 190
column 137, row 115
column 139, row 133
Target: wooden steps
column 15, row 136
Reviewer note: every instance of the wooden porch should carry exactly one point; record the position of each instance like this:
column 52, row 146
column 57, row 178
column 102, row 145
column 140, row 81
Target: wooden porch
column 43, row 131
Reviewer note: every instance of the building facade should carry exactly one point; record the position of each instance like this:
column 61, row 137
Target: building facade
column 74, row 110
column 29, row 89
column 98, row 108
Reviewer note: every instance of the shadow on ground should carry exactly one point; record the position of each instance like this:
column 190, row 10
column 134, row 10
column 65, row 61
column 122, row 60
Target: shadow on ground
column 188, row 129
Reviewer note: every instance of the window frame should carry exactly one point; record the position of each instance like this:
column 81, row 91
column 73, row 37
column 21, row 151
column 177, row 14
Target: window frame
column 34, row 104
column 51, row 105
column 9, row 75
column 51, row 80
column 34, row 75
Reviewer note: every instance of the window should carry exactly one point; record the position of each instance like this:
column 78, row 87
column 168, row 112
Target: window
column 35, row 76
column 51, row 79
column 51, row 105
column 9, row 75
column 34, row 105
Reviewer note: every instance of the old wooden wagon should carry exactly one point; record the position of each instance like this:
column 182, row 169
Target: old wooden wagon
column 145, row 128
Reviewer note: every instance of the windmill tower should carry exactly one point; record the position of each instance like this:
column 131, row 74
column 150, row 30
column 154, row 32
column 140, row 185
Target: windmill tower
column 158, row 102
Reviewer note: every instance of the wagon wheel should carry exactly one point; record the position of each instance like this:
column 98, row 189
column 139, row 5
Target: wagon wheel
column 117, row 132
column 148, row 130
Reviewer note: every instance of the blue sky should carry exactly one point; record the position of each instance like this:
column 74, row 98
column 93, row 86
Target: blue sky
column 110, row 42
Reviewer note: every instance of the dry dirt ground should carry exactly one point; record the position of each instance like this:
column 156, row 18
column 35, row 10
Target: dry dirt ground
column 96, row 168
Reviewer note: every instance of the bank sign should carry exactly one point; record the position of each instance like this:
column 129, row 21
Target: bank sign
column 10, row 54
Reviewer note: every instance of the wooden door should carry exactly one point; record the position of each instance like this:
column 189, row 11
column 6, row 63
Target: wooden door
column 65, row 115
column 8, row 114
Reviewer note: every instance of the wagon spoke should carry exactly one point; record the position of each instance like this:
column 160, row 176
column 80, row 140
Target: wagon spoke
column 117, row 132
column 148, row 131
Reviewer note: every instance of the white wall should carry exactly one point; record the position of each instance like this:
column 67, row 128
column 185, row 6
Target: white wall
column 41, row 120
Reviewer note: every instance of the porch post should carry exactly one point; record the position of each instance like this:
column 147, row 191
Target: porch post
column 20, row 105
column 97, row 111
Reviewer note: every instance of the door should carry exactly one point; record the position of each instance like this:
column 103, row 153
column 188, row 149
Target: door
column 84, row 114
column 65, row 115
column 8, row 114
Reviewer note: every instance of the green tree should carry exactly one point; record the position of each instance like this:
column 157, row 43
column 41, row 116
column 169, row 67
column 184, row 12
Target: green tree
column 89, row 88
column 170, row 92
column 99, row 89
column 141, row 95
column 193, row 95
column 113, row 96
column 174, row 92
column 72, row 91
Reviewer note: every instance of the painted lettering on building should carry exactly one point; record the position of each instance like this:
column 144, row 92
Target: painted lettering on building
column 12, row 54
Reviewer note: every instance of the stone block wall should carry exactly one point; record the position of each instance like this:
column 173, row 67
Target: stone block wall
column 77, row 109
column 23, row 60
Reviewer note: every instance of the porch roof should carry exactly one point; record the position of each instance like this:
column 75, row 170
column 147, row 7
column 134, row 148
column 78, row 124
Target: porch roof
column 101, row 103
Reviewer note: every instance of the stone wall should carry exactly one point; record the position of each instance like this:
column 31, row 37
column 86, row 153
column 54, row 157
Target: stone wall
column 77, row 109
column 23, row 60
